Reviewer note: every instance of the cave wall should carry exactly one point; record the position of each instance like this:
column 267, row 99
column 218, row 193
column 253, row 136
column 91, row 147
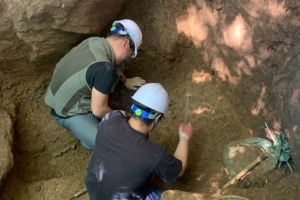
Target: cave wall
column 33, row 36
column 252, row 46
column 37, row 32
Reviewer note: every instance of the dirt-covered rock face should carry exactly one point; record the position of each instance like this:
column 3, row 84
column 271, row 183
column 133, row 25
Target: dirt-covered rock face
column 38, row 31
column 238, row 59
column 6, row 140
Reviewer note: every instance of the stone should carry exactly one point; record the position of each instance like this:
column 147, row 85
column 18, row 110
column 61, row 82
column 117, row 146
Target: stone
column 35, row 30
column 6, row 142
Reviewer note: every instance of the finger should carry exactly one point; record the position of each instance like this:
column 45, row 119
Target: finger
column 140, row 79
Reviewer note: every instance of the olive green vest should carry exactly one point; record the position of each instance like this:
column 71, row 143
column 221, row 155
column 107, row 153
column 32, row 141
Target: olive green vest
column 69, row 93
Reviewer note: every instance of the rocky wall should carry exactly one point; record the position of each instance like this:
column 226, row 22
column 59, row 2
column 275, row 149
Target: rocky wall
column 38, row 32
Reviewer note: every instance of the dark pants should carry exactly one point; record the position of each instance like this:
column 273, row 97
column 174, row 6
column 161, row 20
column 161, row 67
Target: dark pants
column 153, row 193
column 92, row 185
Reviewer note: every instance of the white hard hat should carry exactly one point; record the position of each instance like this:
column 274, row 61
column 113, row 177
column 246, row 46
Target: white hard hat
column 134, row 32
column 152, row 95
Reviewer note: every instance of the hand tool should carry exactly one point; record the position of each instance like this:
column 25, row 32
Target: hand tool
column 78, row 194
column 187, row 108
column 243, row 172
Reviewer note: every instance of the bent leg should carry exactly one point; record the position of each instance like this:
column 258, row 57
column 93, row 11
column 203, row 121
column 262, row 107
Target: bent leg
column 91, row 186
column 153, row 193
column 84, row 127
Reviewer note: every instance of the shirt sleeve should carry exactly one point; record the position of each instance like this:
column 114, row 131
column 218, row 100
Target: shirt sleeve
column 168, row 168
column 101, row 76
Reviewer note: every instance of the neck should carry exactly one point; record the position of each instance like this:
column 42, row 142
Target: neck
column 113, row 44
column 139, row 126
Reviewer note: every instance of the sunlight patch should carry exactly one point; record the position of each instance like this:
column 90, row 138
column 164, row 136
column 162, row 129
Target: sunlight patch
column 264, row 53
column 295, row 97
column 295, row 128
column 260, row 104
column 193, row 27
column 200, row 110
column 199, row 196
column 237, row 36
column 223, row 71
column 276, row 9
column 241, row 66
column 271, row 7
column 287, row 132
column 201, row 177
column 251, row 60
column 200, row 77
column 251, row 133
column 233, row 150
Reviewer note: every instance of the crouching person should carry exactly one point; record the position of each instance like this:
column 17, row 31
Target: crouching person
column 124, row 157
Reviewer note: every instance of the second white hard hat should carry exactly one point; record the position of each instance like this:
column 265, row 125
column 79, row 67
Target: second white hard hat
column 152, row 95
column 134, row 33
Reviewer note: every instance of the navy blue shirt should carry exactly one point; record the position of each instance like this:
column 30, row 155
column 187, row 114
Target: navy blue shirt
column 124, row 159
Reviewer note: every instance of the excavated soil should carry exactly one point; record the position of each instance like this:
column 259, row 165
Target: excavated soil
column 50, row 163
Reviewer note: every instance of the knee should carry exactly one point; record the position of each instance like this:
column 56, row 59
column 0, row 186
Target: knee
column 88, row 147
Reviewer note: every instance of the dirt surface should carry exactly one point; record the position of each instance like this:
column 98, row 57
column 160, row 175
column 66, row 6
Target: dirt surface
column 50, row 163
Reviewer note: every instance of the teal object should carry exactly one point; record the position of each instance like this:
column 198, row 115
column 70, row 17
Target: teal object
column 278, row 153
column 282, row 149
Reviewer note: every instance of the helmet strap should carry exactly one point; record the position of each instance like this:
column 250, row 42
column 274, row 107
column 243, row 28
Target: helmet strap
column 158, row 118
column 142, row 113
column 154, row 125
column 115, row 29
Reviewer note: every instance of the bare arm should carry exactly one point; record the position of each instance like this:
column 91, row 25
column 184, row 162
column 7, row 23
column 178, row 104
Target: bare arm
column 181, row 153
column 182, row 150
column 99, row 104
column 123, row 79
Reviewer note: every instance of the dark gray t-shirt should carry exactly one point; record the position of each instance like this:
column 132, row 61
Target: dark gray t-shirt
column 102, row 76
column 124, row 159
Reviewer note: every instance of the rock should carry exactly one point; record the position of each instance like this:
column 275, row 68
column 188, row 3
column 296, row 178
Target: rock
column 178, row 195
column 33, row 30
column 6, row 141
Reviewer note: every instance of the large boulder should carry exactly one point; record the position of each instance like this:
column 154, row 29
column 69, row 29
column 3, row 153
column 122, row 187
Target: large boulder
column 35, row 30
column 6, row 141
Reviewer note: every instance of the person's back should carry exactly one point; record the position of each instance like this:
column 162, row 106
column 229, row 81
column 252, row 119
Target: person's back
column 127, row 159
column 78, row 93
column 124, row 158
column 69, row 92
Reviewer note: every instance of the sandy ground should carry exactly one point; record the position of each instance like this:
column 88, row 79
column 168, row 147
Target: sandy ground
column 51, row 164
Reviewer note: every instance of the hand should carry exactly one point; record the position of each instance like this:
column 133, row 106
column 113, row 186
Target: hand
column 133, row 83
column 185, row 130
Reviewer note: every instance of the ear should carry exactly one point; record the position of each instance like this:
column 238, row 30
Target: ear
column 158, row 118
column 124, row 43
column 155, row 122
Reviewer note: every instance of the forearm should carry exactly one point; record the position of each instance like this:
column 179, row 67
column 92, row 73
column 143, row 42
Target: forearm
column 123, row 79
column 181, row 153
column 101, row 112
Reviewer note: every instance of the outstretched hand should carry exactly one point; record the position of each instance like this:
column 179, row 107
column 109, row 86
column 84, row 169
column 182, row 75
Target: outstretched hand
column 134, row 83
column 185, row 130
